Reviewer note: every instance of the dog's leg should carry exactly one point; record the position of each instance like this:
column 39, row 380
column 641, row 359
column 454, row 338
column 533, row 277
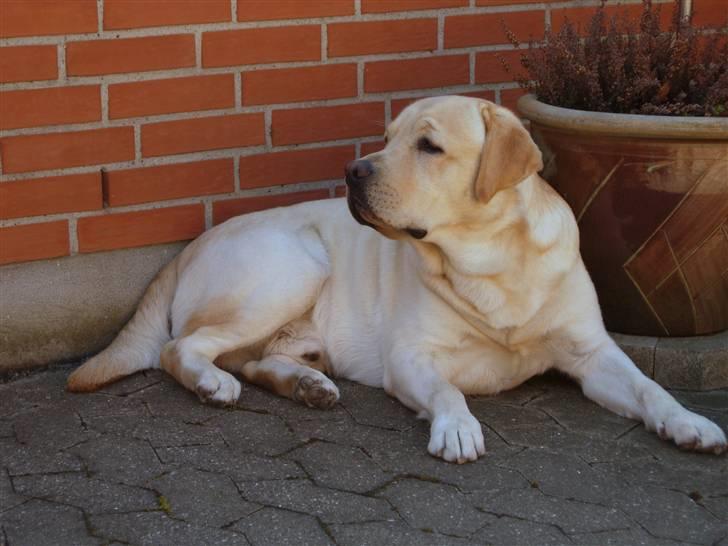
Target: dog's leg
column 190, row 360
column 455, row 435
column 612, row 380
column 284, row 376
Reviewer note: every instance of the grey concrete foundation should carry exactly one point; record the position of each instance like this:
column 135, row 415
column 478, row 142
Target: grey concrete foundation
column 60, row 310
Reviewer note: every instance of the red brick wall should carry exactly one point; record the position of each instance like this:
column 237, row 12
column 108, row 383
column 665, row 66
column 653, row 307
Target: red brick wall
column 132, row 122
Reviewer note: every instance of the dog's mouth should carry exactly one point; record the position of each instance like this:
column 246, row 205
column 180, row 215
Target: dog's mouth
column 361, row 212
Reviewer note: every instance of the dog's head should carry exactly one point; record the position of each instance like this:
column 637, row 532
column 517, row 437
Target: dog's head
column 444, row 159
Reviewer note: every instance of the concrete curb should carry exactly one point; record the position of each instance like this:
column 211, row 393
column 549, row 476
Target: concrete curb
column 693, row 363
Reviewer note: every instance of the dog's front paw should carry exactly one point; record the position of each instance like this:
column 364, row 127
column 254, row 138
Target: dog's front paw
column 218, row 388
column 456, row 438
column 316, row 392
column 693, row 432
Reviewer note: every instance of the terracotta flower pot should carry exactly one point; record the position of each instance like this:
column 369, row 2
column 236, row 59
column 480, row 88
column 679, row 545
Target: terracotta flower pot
column 650, row 194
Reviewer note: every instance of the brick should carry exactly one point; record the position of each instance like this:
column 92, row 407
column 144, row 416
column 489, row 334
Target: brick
column 490, row 69
column 160, row 183
column 34, row 242
column 148, row 227
column 130, row 55
column 371, row 147
column 168, row 96
column 196, row 135
column 45, row 17
column 509, row 98
column 28, row 63
column 265, row 10
column 400, row 104
column 299, row 84
column 425, row 73
column 261, row 45
column 224, row 210
column 119, row 14
column 59, row 150
column 290, row 167
column 509, row 2
column 327, row 123
column 384, row 6
column 487, row 29
column 371, row 37
column 52, row 106
column 710, row 13
column 50, row 195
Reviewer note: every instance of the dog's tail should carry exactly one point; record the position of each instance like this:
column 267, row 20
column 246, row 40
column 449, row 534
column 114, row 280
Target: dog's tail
column 138, row 345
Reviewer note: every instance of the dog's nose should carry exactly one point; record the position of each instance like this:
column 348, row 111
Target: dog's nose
column 358, row 170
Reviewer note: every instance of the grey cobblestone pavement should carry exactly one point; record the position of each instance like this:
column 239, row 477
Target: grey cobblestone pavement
column 143, row 462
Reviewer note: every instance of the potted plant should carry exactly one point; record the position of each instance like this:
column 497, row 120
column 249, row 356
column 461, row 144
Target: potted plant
column 633, row 125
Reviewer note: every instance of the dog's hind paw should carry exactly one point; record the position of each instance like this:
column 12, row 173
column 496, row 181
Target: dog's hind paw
column 316, row 392
column 218, row 388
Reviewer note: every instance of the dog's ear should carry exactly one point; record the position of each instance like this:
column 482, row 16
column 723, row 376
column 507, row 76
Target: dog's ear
column 509, row 153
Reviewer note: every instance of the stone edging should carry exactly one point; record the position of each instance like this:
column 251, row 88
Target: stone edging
column 694, row 363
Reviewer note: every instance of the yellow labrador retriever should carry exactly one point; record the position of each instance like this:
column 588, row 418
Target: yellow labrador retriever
column 471, row 282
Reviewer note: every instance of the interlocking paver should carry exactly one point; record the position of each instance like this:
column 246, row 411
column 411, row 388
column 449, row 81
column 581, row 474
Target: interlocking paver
column 275, row 527
column 143, row 462
column 435, row 507
column 340, row 467
column 159, row 529
column 329, row 505
column 92, row 495
column 41, row 523
column 203, row 498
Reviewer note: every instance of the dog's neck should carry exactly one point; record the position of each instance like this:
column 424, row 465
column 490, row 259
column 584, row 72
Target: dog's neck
column 482, row 268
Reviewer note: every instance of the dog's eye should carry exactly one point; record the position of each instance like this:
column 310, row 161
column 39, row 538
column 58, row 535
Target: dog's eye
column 425, row 145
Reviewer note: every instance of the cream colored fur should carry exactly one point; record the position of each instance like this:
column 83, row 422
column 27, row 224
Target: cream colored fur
column 493, row 292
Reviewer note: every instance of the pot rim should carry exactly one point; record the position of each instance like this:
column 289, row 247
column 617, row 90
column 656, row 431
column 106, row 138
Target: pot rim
column 631, row 125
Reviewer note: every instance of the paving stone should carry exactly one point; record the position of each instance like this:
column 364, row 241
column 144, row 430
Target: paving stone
column 507, row 530
column 706, row 483
column 718, row 506
column 96, row 405
column 570, row 516
column 390, row 534
column 275, row 527
column 327, row 504
column 35, row 459
column 166, row 432
column 434, row 507
column 158, row 529
column 8, row 497
column 390, row 413
column 238, row 465
column 92, row 495
column 255, row 432
column 622, row 537
column 571, row 409
column 41, row 523
column 50, row 429
column 563, row 475
column 119, row 459
column 670, row 514
column 203, row 498
column 598, row 478
column 340, row 467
